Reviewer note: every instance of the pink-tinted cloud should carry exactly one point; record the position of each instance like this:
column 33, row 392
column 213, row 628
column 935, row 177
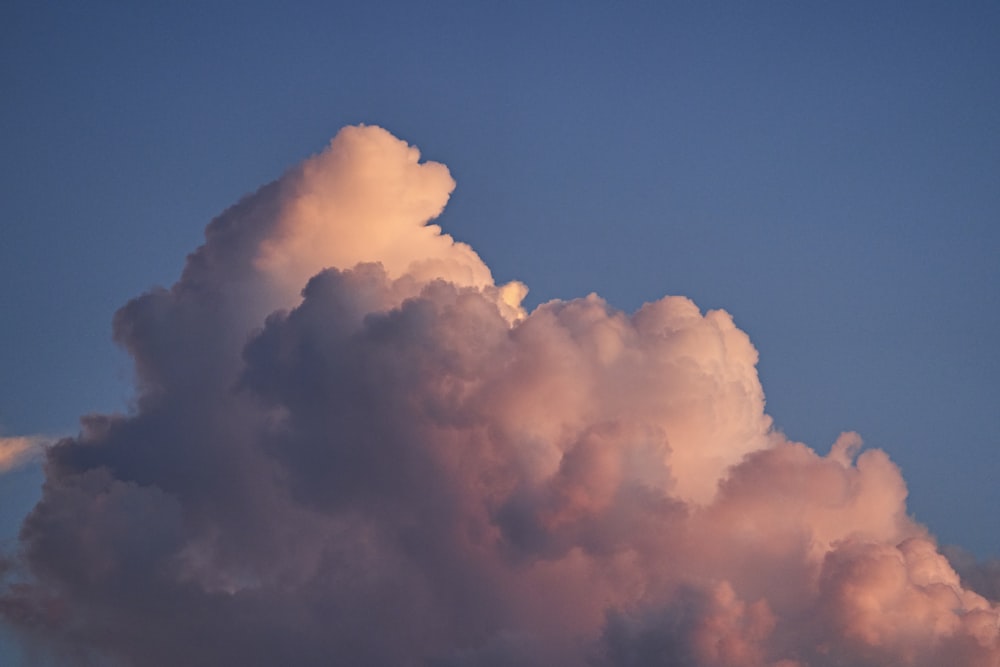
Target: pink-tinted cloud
column 351, row 447
column 16, row 451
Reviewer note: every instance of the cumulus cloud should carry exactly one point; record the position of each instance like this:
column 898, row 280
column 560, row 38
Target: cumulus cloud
column 350, row 446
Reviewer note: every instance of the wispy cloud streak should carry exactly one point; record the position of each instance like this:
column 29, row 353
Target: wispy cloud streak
column 16, row 451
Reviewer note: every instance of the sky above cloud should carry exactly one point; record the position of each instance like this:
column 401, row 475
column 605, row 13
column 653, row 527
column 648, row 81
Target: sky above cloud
column 338, row 410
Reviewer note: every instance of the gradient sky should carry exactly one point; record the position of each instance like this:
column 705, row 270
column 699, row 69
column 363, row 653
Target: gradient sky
column 826, row 172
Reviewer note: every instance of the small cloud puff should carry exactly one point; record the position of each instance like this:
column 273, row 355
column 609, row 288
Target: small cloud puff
column 16, row 451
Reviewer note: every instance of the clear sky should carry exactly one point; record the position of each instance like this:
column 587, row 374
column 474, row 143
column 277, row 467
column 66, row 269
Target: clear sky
column 828, row 173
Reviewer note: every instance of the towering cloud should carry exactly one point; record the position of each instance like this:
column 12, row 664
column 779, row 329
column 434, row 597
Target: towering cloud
column 350, row 446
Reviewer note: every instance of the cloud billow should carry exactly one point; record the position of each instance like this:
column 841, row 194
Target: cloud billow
column 350, row 446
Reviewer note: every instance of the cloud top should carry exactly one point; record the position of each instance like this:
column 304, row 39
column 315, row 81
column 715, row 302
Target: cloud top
column 367, row 198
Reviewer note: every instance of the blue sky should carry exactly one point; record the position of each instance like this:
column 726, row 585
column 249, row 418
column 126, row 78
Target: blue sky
column 826, row 172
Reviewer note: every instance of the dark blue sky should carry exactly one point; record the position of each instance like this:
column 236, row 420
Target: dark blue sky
column 826, row 172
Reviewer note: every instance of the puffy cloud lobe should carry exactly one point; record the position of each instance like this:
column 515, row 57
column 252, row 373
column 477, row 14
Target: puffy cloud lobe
column 400, row 466
column 905, row 604
column 366, row 199
column 708, row 626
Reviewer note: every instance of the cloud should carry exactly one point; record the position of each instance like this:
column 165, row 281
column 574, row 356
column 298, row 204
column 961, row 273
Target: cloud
column 981, row 576
column 350, row 446
column 16, row 451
